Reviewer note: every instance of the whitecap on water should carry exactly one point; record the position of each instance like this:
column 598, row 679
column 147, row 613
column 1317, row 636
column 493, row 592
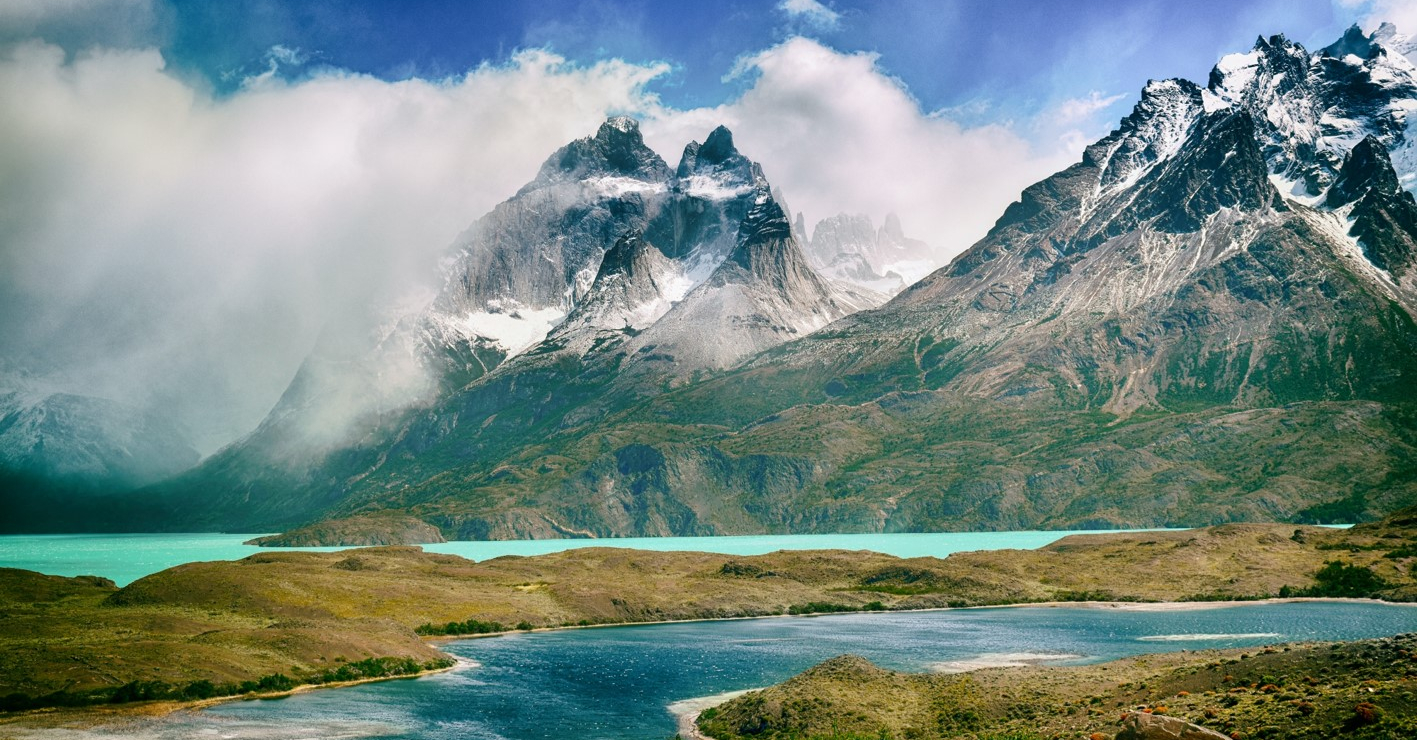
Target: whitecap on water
column 1206, row 636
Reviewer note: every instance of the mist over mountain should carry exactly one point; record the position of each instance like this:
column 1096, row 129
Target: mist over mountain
column 1209, row 317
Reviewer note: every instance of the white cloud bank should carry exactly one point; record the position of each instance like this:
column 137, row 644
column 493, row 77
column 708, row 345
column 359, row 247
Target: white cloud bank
column 168, row 248
column 837, row 134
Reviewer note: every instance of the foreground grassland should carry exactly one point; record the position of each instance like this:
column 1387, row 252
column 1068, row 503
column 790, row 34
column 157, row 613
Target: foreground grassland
column 1361, row 690
column 276, row 620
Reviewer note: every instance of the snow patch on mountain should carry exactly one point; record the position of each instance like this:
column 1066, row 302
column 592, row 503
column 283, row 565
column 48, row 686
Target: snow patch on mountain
column 509, row 324
column 1312, row 108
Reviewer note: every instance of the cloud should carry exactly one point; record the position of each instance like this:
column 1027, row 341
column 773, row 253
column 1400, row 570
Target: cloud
column 811, row 12
column 78, row 23
column 835, row 133
column 168, row 248
column 1079, row 110
column 1401, row 13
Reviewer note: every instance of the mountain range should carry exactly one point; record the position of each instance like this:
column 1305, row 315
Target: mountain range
column 1208, row 318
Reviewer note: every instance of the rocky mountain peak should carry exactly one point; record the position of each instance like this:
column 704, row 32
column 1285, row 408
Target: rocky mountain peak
column 1354, row 42
column 1383, row 215
column 1389, row 36
column 849, row 248
column 616, row 150
column 1153, row 131
column 716, row 168
column 1367, row 168
column 634, row 286
column 765, row 233
column 718, row 146
column 1311, row 109
column 626, row 257
column 892, row 228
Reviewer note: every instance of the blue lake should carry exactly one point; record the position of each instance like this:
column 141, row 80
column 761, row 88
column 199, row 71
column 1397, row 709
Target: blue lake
column 128, row 557
column 624, row 683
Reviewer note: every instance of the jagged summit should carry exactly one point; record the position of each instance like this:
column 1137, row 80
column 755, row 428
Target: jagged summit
column 616, row 150
column 849, row 248
column 763, row 294
column 1354, row 42
column 626, row 257
column 718, row 147
column 763, row 232
column 716, row 169
column 1310, row 109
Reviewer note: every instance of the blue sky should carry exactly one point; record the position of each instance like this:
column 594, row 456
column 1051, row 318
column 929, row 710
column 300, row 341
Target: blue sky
column 985, row 59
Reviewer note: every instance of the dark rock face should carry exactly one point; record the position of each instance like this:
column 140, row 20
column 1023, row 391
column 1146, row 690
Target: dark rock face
column 1385, row 217
column 1367, row 168
column 1219, row 166
column 1143, row 726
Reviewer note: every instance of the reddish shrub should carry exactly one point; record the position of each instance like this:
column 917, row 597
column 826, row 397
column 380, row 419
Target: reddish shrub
column 1366, row 714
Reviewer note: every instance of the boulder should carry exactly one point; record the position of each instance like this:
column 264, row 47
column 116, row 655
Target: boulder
column 1143, row 726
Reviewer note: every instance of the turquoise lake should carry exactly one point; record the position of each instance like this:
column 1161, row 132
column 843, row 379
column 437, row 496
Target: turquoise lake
column 128, row 557
column 626, row 683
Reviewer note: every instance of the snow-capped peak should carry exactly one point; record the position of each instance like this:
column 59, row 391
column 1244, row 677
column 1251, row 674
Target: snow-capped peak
column 616, row 150
column 1310, row 109
column 623, row 124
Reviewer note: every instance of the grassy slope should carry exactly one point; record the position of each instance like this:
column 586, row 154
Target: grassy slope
column 302, row 614
column 1304, row 691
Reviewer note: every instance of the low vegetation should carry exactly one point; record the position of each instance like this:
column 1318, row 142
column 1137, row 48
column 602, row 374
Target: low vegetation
column 1362, row 690
column 203, row 689
column 223, row 628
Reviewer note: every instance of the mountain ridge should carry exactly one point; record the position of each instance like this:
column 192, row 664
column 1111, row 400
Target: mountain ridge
column 1207, row 318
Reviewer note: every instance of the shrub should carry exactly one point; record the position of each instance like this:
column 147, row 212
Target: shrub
column 275, row 682
column 470, row 627
column 141, row 691
column 202, row 689
column 1366, row 713
column 1338, row 579
column 819, row 607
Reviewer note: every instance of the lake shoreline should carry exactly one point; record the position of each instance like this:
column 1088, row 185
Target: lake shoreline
column 108, row 715
column 1135, row 606
column 143, row 712
column 370, row 603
